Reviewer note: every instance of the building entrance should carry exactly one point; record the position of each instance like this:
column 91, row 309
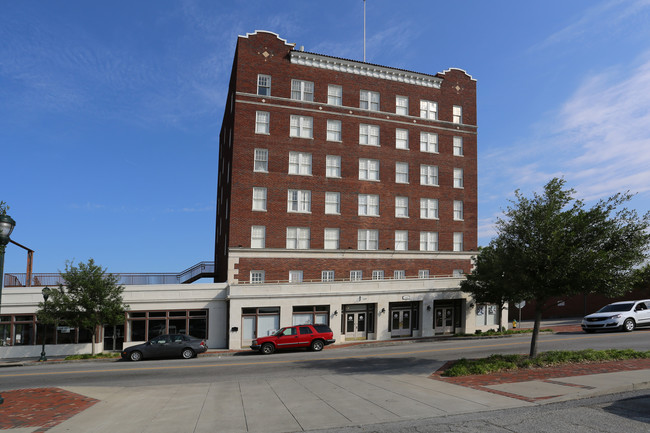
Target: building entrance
column 113, row 337
column 401, row 323
column 444, row 322
column 355, row 325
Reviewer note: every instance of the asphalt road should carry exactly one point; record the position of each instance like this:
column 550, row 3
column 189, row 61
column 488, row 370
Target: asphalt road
column 412, row 358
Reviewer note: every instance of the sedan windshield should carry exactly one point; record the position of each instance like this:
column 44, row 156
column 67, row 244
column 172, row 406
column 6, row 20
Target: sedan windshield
column 616, row 307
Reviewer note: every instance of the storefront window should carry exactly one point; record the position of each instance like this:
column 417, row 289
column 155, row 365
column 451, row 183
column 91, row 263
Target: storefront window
column 145, row 325
column 309, row 315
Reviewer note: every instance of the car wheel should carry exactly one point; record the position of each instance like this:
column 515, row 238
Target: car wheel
column 187, row 353
column 628, row 325
column 317, row 345
column 135, row 356
column 267, row 348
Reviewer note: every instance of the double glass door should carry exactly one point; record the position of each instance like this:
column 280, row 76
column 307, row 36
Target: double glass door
column 401, row 323
column 355, row 325
column 444, row 320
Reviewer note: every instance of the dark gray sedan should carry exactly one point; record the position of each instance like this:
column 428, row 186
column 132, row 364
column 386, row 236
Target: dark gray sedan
column 166, row 346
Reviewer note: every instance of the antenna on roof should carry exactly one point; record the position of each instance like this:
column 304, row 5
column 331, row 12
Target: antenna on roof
column 364, row 30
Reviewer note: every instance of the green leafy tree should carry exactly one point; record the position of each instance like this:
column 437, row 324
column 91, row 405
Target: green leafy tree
column 90, row 297
column 550, row 246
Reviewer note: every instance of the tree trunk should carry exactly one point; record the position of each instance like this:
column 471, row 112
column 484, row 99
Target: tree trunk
column 538, row 321
column 93, row 343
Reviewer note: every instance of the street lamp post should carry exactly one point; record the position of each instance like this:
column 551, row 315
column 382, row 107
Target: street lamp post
column 7, row 225
column 46, row 294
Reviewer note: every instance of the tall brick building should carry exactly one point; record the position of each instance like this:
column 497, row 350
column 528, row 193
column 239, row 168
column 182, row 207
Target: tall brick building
column 340, row 180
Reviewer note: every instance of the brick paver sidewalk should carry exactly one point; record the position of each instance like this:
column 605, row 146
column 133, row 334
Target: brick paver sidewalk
column 40, row 407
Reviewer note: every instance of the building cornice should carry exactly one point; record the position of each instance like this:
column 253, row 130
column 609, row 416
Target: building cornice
column 364, row 69
column 278, row 253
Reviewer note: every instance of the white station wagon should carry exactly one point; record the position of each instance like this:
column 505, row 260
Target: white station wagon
column 625, row 315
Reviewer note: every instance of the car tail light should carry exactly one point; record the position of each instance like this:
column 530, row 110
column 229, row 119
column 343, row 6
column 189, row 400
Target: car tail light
column 203, row 343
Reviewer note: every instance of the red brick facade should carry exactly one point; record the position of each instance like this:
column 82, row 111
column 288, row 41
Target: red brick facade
column 264, row 53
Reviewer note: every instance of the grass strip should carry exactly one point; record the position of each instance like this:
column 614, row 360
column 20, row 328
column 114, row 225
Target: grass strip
column 497, row 363
column 102, row 355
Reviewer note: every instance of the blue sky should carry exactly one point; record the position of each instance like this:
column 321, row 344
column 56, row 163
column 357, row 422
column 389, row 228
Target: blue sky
column 110, row 111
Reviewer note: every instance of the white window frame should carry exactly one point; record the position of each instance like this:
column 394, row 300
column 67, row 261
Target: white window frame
column 378, row 275
column 302, row 90
column 458, row 273
column 333, row 166
column 458, row 210
column 334, row 95
column 367, row 240
column 368, row 135
column 257, row 277
column 298, row 238
column 399, row 275
column 401, row 240
column 401, row 139
column 457, row 114
column 262, row 122
column 368, row 204
column 356, row 275
column 301, row 126
column 428, row 109
column 458, row 241
column 401, row 172
column 423, row 274
column 295, row 276
column 428, row 175
column 428, row 241
column 402, row 105
column 332, row 203
column 369, row 169
column 429, row 208
column 327, row 276
column 458, row 146
column 259, row 199
column 258, row 237
column 333, row 130
column 261, row 163
column 299, row 201
column 263, row 82
column 458, row 178
column 300, row 163
column 331, row 239
column 428, row 142
column 401, row 207
column 369, row 100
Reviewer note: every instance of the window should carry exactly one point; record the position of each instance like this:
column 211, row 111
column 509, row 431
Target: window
column 429, row 208
column 299, row 200
column 369, row 135
column 458, row 146
column 257, row 277
column 486, row 315
column 423, row 273
column 297, row 238
column 259, row 199
column 402, row 139
column 458, row 241
column 457, row 114
column 261, row 160
column 264, row 85
column 369, row 100
column 428, row 110
column 301, row 126
column 368, row 169
column 356, row 275
column 369, row 204
column 333, row 203
column 401, row 172
column 429, row 175
column 458, row 210
column 327, row 276
column 401, row 240
column 334, row 95
column 428, row 142
column 377, row 275
column 311, row 315
column 367, row 239
column 458, row 273
column 401, row 207
column 259, row 322
column 258, row 236
column 295, row 276
column 331, row 239
column 262, row 122
column 402, row 105
column 145, row 325
column 302, row 90
column 300, row 163
column 333, row 130
column 428, row 241
column 399, row 275
column 333, row 166
column 458, row 177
